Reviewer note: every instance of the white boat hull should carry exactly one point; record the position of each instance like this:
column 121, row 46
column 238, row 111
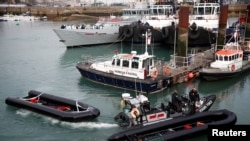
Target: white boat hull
column 74, row 38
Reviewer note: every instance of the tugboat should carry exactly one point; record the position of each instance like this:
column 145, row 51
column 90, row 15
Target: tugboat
column 229, row 62
column 160, row 15
column 132, row 71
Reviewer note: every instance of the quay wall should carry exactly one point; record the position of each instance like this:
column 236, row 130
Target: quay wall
column 54, row 12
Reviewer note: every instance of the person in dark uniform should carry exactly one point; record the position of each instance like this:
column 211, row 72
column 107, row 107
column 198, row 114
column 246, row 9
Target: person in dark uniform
column 176, row 101
column 193, row 97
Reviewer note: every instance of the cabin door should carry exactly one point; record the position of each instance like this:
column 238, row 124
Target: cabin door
column 146, row 64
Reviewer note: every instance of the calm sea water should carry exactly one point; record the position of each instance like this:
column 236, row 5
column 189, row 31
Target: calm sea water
column 31, row 57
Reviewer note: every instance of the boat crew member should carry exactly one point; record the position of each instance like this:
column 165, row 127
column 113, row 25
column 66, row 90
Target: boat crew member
column 176, row 100
column 193, row 97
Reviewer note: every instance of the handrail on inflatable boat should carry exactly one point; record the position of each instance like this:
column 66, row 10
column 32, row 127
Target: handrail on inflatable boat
column 77, row 106
column 34, row 98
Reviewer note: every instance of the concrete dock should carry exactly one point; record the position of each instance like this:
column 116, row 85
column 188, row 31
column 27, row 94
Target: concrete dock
column 184, row 69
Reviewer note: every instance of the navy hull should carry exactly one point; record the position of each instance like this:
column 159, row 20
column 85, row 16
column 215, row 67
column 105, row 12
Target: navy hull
column 145, row 86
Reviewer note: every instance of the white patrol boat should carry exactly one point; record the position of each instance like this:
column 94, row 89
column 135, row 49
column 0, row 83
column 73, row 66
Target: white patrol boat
column 132, row 71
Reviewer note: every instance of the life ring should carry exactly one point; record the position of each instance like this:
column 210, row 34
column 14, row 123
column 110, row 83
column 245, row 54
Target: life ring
column 233, row 67
column 134, row 112
column 128, row 31
column 154, row 74
column 166, row 70
column 141, row 30
column 165, row 32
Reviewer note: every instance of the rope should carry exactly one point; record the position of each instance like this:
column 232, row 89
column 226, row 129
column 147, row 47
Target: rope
column 119, row 39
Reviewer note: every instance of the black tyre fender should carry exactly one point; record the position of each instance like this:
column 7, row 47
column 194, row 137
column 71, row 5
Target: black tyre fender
column 128, row 31
column 193, row 32
column 141, row 30
column 121, row 31
column 165, row 32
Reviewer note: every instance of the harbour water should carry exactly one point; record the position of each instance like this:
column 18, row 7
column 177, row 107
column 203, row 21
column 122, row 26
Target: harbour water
column 31, row 57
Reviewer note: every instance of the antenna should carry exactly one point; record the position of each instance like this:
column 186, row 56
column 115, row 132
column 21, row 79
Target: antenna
column 147, row 40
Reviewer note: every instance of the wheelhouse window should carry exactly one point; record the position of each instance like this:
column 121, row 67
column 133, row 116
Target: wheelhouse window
column 226, row 58
column 135, row 63
column 233, row 57
column 118, row 62
column 221, row 58
column 208, row 10
column 125, row 63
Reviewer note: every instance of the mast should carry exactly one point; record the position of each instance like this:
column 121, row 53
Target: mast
column 147, row 40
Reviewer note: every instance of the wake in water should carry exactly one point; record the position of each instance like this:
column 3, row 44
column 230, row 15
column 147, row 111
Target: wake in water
column 75, row 125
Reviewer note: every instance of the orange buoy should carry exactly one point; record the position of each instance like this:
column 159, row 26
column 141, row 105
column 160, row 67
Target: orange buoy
column 190, row 75
column 166, row 70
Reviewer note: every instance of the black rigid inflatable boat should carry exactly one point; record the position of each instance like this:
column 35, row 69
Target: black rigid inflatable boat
column 145, row 114
column 57, row 107
column 177, row 128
